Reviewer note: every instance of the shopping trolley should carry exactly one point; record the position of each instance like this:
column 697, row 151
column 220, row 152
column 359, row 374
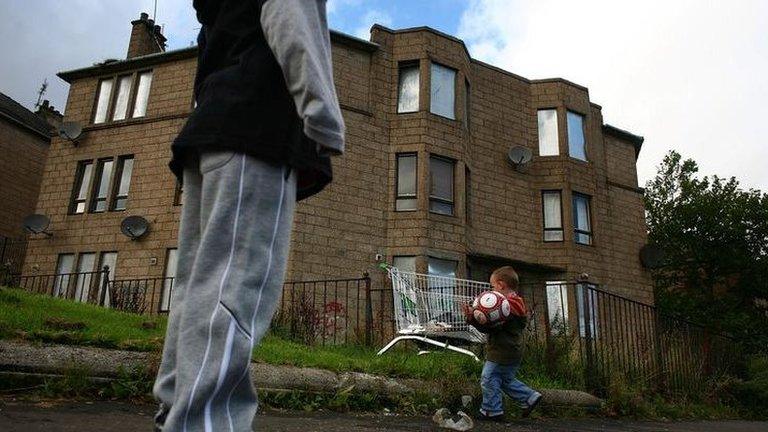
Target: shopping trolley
column 428, row 308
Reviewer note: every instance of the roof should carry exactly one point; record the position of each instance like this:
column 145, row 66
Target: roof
column 16, row 113
column 184, row 53
column 621, row 134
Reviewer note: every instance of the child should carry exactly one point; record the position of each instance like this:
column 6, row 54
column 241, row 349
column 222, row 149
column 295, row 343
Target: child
column 503, row 355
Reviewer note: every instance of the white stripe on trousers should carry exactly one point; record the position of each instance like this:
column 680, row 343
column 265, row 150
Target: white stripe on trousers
column 258, row 300
column 221, row 289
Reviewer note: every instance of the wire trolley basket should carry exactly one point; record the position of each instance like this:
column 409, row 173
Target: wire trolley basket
column 428, row 309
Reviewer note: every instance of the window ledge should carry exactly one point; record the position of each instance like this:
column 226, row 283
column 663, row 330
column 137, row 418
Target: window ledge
column 135, row 121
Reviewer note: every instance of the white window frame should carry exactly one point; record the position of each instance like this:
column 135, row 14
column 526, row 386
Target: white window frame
column 442, row 94
column 108, row 258
column 436, row 202
column 122, row 97
column 549, row 140
column 169, row 274
column 593, row 310
column 406, row 201
column 84, row 277
column 408, row 81
column 552, row 233
column 578, row 228
column 557, row 306
column 61, row 283
column 577, row 150
column 122, row 182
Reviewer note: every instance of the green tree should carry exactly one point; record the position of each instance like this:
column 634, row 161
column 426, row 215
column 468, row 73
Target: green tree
column 715, row 240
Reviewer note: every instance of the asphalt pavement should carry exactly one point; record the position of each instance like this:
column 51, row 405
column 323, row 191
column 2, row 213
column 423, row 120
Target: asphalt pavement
column 65, row 416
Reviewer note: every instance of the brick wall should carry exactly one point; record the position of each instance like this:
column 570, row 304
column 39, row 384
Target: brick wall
column 22, row 158
column 337, row 233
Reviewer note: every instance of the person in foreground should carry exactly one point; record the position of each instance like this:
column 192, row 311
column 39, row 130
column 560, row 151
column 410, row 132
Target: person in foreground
column 504, row 352
column 266, row 121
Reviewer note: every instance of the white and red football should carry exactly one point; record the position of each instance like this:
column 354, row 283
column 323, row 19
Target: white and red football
column 491, row 307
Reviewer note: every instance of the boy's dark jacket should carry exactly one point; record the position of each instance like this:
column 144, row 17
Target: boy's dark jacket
column 243, row 103
column 505, row 341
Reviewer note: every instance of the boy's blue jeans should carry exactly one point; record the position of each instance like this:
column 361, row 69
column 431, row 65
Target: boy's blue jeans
column 498, row 378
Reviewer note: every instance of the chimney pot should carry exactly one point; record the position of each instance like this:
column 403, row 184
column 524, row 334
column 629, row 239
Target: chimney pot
column 146, row 37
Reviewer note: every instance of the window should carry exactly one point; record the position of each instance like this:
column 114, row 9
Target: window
column 123, row 93
column 101, row 186
column 122, row 97
column 64, row 266
column 82, row 185
column 467, row 195
column 441, row 267
column 576, row 141
column 444, row 283
column 178, row 193
column 591, row 299
column 171, row 261
column 406, row 183
column 142, row 94
column 581, row 219
column 466, row 104
column 100, row 189
column 557, row 307
column 405, row 263
column 102, row 100
column 548, row 142
column 441, row 185
column 442, row 96
column 84, row 276
column 108, row 259
column 408, row 89
column 123, row 176
column 553, row 220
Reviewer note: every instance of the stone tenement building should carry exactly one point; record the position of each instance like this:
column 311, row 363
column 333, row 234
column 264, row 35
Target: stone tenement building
column 24, row 140
column 425, row 182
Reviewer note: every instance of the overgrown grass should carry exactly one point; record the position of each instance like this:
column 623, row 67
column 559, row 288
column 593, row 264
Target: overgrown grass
column 395, row 363
column 40, row 318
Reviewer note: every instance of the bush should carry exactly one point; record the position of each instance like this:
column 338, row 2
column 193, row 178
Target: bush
column 751, row 392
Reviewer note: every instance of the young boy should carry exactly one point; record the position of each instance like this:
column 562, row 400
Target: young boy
column 503, row 355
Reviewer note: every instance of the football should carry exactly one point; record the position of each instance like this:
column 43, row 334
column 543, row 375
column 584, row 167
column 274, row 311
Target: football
column 491, row 307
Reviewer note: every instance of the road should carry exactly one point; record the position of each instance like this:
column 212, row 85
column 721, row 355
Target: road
column 65, row 416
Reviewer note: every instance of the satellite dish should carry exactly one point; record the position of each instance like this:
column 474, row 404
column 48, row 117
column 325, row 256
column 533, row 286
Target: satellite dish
column 519, row 157
column 134, row 227
column 71, row 131
column 37, row 224
column 652, row 256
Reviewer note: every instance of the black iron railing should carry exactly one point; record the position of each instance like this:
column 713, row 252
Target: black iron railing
column 605, row 334
column 143, row 295
column 332, row 311
column 11, row 257
column 613, row 336
column 84, row 287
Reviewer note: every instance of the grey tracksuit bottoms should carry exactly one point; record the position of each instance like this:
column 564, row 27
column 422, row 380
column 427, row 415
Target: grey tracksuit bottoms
column 234, row 238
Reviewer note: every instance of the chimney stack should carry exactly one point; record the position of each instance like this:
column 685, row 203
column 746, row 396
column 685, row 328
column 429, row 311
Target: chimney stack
column 47, row 112
column 146, row 37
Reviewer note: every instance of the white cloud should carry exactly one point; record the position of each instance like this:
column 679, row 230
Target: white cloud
column 44, row 37
column 336, row 6
column 370, row 18
column 686, row 74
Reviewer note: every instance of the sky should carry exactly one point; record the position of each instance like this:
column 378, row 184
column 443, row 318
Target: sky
column 689, row 75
